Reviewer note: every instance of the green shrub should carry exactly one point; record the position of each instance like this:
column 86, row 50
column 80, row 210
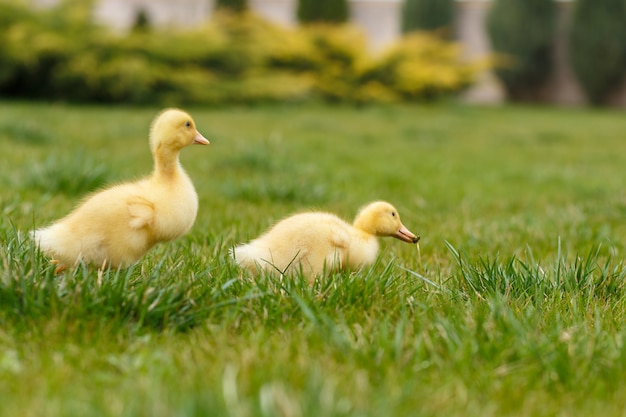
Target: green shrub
column 295, row 52
column 126, row 78
column 427, row 14
column 418, row 67
column 421, row 66
column 598, row 46
column 234, row 58
column 32, row 49
column 322, row 11
column 339, row 51
column 522, row 32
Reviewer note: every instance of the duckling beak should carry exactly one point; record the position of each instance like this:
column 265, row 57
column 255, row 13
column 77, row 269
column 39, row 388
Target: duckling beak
column 200, row 140
column 406, row 235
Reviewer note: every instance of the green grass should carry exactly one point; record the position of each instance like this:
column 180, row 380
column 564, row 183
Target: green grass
column 516, row 307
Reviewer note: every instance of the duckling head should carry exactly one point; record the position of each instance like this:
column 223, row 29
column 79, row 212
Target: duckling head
column 172, row 130
column 382, row 219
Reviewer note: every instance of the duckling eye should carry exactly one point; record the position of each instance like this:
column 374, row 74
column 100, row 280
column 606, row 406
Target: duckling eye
column 188, row 124
column 393, row 214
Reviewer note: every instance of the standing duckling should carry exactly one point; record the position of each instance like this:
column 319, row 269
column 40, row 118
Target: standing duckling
column 117, row 226
column 316, row 242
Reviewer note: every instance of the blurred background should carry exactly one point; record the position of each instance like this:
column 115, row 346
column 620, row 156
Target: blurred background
column 565, row 52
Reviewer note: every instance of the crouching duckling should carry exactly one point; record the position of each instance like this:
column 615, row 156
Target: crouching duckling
column 315, row 242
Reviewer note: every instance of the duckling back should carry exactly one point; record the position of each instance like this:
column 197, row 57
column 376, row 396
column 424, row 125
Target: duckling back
column 103, row 229
column 310, row 242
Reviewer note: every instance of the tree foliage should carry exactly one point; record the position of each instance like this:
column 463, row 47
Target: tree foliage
column 427, row 14
column 598, row 46
column 323, row 11
column 522, row 32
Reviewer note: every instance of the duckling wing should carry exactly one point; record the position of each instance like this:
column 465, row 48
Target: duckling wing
column 339, row 237
column 141, row 212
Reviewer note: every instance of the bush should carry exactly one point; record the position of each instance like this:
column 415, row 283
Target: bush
column 235, row 58
column 33, row 45
column 339, row 53
column 598, row 46
column 522, row 31
column 323, row 11
column 422, row 66
column 427, row 15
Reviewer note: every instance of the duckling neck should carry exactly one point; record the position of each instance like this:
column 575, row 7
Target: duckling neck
column 166, row 164
column 363, row 249
column 361, row 225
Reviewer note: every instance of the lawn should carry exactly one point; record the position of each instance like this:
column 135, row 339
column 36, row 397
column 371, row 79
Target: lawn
column 516, row 306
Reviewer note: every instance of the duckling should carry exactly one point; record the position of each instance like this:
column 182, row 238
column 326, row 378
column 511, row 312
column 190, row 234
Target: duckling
column 315, row 242
column 116, row 226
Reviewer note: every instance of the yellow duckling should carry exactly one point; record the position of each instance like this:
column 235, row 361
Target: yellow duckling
column 117, row 226
column 316, row 242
